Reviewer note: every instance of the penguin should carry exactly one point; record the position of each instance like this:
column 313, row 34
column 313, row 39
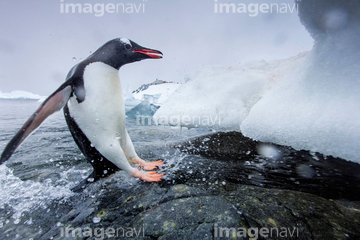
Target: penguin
column 94, row 110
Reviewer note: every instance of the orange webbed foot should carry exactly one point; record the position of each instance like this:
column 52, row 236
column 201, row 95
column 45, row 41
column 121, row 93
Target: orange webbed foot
column 147, row 176
column 148, row 165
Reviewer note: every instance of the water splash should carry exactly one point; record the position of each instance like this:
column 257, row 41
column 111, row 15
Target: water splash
column 25, row 196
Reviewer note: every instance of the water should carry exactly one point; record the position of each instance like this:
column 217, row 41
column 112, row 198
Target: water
column 48, row 164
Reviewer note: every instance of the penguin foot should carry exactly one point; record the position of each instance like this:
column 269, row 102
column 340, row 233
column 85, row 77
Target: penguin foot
column 147, row 176
column 148, row 165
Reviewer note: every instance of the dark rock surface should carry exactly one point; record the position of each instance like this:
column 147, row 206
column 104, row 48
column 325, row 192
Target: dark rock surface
column 205, row 192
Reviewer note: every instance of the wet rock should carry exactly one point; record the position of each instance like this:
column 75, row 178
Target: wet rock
column 241, row 161
column 208, row 196
column 152, row 211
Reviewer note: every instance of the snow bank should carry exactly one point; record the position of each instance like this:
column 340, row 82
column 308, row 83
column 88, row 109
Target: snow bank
column 318, row 107
column 221, row 97
column 20, row 95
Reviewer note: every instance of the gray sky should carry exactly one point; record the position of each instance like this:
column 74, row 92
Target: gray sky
column 38, row 42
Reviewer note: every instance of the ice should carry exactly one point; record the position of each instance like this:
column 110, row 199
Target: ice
column 316, row 108
column 158, row 93
column 221, row 97
column 18, row 94
column 309, row 102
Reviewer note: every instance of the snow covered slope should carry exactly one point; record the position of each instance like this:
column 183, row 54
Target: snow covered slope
column 221, row 97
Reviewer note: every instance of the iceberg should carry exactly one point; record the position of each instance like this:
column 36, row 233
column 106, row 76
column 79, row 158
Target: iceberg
column 156, row 93
column 147, row 99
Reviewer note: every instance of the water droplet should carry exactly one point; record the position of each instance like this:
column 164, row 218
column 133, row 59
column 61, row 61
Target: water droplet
column 92, row 145
column 223, row 183
column 90, row 179
column 172, row 209
column 105, row 171
column 74, row 59
column 96, row 219
column 305, row 171
column 269, row 151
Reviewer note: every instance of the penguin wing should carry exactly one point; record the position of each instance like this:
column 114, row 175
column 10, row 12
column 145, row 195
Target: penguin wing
column 53, row 103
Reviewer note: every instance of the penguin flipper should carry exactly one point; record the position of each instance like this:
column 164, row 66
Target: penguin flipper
column 53, row 103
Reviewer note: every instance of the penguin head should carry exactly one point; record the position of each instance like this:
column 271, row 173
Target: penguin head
column 120, row 51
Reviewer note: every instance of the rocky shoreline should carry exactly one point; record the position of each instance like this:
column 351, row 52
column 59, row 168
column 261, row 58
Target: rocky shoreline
column 213, row 191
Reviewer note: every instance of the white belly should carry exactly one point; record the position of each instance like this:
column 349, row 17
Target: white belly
column 101, row 116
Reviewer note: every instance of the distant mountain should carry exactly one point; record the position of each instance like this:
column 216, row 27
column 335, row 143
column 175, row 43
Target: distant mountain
column 18, row 94
column 146, row 86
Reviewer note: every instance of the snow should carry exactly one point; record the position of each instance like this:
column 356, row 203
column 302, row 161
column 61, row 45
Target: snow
column 157, row 94
column 221, row 97
column 18, row 94
column 317, row 108
column 310, row 101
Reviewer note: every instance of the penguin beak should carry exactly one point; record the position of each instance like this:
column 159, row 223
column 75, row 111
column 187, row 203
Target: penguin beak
column 149, row 52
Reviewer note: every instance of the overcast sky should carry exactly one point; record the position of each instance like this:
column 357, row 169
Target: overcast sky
column 39, row 44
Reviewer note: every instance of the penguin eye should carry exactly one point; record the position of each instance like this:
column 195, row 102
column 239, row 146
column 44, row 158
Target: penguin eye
column 127, row 46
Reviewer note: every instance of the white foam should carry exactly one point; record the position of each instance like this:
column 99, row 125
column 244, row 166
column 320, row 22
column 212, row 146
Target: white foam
column 24, row 196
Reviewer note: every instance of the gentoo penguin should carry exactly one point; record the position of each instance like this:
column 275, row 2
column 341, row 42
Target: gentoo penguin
column 95, row 113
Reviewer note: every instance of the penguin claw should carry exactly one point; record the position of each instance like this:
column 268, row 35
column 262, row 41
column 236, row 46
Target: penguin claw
column 147, row 176
column 148, row 166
